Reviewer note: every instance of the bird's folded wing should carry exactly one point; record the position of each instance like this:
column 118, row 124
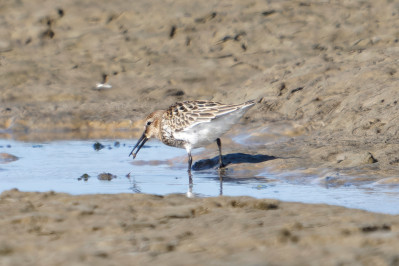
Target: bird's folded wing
column 186, row 115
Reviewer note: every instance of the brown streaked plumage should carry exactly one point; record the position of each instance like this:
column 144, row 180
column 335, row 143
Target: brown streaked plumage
column 192, row 124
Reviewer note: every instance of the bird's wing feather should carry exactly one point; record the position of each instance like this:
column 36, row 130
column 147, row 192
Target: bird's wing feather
column 185, row 115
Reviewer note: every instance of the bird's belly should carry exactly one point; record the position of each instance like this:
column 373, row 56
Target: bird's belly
column 197, row 140
column 203, row 134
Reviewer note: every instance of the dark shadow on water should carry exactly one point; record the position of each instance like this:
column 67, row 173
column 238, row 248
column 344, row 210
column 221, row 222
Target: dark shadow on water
column 232, row 158
column 223, row 174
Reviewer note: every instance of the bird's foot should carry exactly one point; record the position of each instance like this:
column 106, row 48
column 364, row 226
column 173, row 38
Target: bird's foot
column 221, row 167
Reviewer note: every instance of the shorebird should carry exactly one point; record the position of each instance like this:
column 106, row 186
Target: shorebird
column 192, row 124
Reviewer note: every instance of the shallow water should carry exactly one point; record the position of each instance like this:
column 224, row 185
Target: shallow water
column 74, row 167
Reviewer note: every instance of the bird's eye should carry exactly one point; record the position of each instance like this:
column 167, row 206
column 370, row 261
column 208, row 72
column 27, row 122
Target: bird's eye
column 149, row 123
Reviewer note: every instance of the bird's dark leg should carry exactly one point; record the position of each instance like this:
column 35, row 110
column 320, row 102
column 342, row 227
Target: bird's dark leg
column 219, row 143
column 190, row 185
column 190, row 161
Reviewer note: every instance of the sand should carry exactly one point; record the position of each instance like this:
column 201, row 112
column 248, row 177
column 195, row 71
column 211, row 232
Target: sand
column 323, row 73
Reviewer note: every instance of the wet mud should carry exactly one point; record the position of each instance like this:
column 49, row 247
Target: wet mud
column 139, row 229
column 324, row 76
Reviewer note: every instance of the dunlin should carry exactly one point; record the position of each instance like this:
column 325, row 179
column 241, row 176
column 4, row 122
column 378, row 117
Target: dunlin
column 192, row 124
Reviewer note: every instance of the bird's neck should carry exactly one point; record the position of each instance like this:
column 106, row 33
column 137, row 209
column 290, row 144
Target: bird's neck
column 158, row 123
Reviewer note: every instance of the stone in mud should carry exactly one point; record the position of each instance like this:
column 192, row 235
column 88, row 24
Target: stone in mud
column 98, row 146
column 84, row 177
column 7, row 158
column 106, row 176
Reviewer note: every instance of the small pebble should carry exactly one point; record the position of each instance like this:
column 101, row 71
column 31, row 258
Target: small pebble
column 106, row 176
column 98, row 146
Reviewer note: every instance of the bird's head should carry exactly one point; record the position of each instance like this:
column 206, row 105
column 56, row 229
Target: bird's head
column 151, row 130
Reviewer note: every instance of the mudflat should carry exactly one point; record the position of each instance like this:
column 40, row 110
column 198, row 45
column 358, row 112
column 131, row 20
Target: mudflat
column 139, row 229
column 323, row 74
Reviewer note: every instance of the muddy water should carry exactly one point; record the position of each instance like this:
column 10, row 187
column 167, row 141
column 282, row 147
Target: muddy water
column 83, row 167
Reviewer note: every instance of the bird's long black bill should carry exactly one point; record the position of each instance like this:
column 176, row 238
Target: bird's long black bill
column 143, row 139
